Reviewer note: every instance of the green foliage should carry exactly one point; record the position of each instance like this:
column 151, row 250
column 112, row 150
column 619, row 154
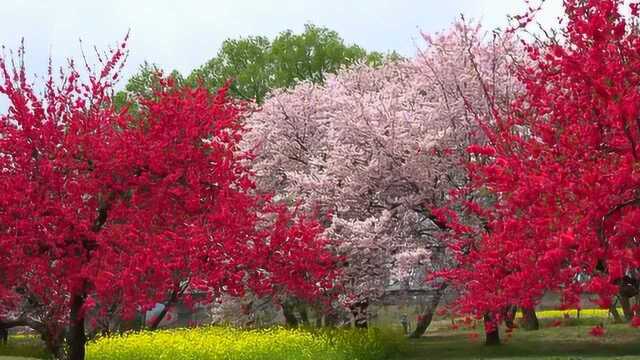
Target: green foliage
column 311, row 55
column 246, row 61
column 258, row 65
column 142, row 85
column 236, row 344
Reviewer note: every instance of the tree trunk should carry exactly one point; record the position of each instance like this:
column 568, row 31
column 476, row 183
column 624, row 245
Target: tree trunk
column 529, row 319
column 54, row 344
column 422, row 323
column 76, row 339
column 424, row 320
column 492, row 331
column 613, row 310
column 4, row 336
column 510, row 315
column 625, row 302
column 359, row 311
column 138, row 322
column 304, row 314
column 173, row 299
column 331, row 319
column 628, row 288
column 155, row 322
column 289, row 314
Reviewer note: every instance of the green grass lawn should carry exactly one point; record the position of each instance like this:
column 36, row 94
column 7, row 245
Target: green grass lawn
column 569, row 341
column 566, row 342
column 23, row 347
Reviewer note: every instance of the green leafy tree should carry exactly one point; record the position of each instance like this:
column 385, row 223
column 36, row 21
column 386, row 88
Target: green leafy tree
column 247, row 61
column 312, row 54
column 257, row 65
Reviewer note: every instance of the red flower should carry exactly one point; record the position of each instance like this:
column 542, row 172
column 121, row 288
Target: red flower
column 597, row 330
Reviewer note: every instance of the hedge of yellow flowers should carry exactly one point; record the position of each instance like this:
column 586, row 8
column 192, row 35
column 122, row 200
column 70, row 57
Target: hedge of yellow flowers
column 585, row 313
column 236, row 344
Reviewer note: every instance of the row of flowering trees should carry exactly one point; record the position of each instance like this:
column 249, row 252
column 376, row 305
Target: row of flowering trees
column 502, row 169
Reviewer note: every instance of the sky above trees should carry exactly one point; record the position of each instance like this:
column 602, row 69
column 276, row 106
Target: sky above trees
column 184, row 34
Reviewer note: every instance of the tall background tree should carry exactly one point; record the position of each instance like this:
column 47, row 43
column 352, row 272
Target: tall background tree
column 256, row 65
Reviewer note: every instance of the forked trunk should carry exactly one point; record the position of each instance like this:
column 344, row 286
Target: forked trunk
column 54, row 342
column 529, row 319
column 424, row 320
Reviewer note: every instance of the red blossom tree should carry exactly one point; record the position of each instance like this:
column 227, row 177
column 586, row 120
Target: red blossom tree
column 99, row 208
column 558, row 185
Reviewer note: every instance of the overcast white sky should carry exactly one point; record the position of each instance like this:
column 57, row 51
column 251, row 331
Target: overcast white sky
column 183, row 34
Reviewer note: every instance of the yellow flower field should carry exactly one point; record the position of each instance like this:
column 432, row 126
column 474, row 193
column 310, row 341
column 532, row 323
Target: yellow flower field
column 559, row 314
column 218, row 343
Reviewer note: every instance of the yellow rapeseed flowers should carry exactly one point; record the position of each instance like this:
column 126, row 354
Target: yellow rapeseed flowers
column 225, row 343
column 559, row 314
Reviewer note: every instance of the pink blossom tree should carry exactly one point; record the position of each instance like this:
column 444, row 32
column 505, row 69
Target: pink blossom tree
column 372, row 147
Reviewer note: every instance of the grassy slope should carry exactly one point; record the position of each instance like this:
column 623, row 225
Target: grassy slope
column 569, row 342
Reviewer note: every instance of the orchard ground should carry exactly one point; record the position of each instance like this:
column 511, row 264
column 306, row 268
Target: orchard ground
column 568, row 341
column 558, row 338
